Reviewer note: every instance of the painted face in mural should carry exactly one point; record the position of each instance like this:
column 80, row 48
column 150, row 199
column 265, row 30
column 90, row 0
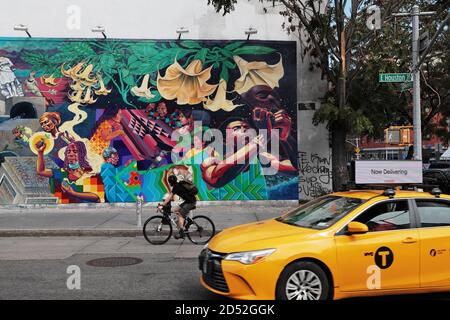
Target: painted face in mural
column 162, row 109
column 47, row 124
column 263, row 97
column 113, row 159
column 72, row 154
column 184, row 120
column 237, row 128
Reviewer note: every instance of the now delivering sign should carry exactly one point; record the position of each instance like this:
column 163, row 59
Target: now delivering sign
column 388, row 171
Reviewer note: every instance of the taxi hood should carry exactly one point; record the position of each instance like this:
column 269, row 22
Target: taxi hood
column 252, row 235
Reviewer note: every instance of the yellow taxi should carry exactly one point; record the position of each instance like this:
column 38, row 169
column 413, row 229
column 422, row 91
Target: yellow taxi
column 346, row 244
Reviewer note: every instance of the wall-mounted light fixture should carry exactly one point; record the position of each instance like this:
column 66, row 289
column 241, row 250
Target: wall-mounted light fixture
column 21, row 27
column 180, row 31
column 99, row 29
column 250, row 31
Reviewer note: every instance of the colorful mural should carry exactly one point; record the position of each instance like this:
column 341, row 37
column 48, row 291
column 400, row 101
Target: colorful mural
column 118, row 117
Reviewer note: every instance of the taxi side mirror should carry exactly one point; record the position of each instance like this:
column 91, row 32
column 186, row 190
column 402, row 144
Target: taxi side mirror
column 357, row 228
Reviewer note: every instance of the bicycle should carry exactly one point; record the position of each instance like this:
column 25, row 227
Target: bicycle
column 158, row 229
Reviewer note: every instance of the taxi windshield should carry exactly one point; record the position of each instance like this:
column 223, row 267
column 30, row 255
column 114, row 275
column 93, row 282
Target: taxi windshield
column 321, row 213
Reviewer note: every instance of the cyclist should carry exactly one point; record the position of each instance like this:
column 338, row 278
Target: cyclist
column 186, row 191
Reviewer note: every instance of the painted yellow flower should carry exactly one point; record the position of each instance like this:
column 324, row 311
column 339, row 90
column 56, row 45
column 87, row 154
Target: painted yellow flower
column 257, row 73
column 143, row 91
column 102, row 90
column 188, row 85
column 220, row 99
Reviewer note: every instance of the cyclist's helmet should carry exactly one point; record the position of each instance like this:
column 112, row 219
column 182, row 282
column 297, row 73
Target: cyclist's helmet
column 172, row 180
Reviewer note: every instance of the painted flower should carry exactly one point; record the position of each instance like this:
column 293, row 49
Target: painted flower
column 220, row 99
column 257, row 73
column 143, row 91
column 134, row 179
column 188, row 85
column 102, row 90
column 50, row 81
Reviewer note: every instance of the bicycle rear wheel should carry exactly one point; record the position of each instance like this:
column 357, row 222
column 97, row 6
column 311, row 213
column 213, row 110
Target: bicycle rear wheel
column 157, row 230
column 200, row 230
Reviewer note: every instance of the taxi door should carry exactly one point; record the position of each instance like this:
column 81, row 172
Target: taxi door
column 434, row 232
column 386, row 257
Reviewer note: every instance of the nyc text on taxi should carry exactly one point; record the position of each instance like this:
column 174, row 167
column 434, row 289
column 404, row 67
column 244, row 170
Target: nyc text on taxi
column 346, row 244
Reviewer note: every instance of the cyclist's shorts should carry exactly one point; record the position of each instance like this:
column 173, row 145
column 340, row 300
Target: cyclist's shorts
column 186, row 207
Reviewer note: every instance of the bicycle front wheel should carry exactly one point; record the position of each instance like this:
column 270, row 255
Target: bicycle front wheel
column 201, row 230
column 157, row 230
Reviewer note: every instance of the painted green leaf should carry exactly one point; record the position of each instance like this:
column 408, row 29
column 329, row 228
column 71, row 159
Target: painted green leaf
column 144, row 49
column 129, row 80
column 233, row 45
column 107, row 61
column 253, row 50
column 201, row 55
column 227, row 53
column 224, row 73
column 191, row 44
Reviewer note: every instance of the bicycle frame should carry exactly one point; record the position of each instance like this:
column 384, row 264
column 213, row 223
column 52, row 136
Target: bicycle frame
column 173, row 218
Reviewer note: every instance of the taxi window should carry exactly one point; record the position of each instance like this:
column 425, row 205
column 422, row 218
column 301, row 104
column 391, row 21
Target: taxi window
column 433, row 213
column 389, row 215
column 322, row 212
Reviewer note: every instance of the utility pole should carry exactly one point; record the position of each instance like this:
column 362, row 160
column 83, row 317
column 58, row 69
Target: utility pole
column 417, row 111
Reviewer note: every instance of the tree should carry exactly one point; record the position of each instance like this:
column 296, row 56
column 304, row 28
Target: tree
column 334, row 34
column 389, row 103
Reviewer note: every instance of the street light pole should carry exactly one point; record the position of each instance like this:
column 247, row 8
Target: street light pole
column 417, row 115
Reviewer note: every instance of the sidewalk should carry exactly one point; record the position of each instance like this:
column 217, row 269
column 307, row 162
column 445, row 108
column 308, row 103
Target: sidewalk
column 121, row 221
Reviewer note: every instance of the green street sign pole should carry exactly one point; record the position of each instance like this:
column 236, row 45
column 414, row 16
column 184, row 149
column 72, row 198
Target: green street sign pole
column 395, row 77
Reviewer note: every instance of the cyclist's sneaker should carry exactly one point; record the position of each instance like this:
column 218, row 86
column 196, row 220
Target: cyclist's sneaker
column 180, row 235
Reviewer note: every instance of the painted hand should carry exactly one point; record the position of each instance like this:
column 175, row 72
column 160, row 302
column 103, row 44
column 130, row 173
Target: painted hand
column 283, row 122
column 262, row 118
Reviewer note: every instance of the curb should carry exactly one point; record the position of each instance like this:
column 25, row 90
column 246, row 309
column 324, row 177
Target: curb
column 200, row 204
column 73, row 233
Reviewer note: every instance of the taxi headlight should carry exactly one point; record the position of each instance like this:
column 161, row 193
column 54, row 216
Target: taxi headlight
column 249, row 257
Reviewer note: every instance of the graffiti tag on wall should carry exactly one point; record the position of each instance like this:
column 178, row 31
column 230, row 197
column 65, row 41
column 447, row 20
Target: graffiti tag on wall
column 315, row 174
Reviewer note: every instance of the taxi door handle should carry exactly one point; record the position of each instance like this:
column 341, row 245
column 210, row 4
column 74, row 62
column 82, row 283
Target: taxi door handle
column 409, row 240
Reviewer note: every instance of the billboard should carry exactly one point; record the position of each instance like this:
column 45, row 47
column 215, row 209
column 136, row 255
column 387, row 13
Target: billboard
column 107, row 120
column 388, row 172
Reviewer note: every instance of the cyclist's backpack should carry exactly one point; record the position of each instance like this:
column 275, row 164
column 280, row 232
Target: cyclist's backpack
column 190, row 188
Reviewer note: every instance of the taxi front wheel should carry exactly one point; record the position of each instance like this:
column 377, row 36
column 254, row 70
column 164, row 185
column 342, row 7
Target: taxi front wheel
column 303, row 280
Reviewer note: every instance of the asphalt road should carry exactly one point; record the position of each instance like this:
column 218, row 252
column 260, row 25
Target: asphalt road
column 36, row 268
column 159, row 276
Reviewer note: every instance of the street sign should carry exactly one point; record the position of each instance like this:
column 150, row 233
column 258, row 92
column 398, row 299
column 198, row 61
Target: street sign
column 405, row 86
column 357, row 150
column 395, row 77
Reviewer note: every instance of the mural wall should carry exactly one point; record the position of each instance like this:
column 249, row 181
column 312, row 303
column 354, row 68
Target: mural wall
column 109, row 120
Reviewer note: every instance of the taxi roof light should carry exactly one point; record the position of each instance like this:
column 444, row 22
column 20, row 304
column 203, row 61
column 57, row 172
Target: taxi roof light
column 436, row 192
column 389, row 193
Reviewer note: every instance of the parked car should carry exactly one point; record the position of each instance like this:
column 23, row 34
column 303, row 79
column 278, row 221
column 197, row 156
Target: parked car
column 346, row 244
column 439, row 165
column 438, row 178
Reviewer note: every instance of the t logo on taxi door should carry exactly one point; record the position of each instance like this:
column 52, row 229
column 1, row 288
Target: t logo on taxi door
column 384, row 257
